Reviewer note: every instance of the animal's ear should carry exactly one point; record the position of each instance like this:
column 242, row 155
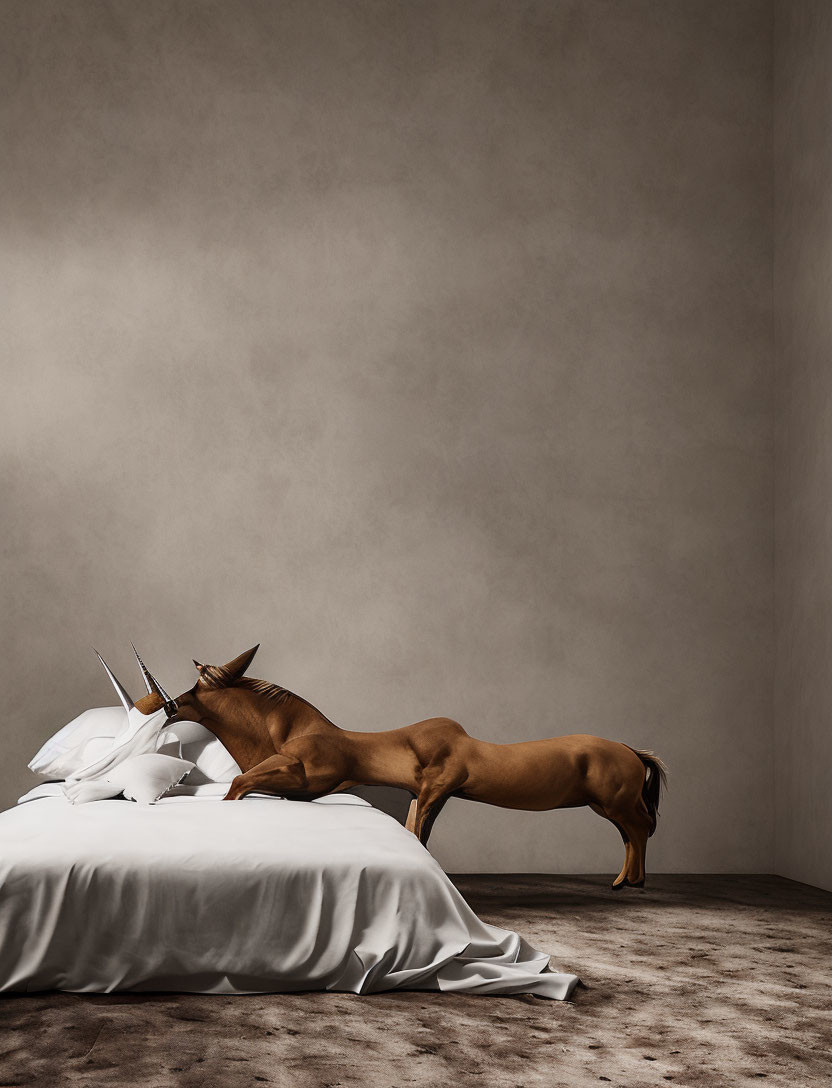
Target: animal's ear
column 224, row 676
column 236, row 669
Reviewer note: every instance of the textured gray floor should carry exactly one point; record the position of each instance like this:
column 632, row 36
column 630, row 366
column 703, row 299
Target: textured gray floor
column 698, row 980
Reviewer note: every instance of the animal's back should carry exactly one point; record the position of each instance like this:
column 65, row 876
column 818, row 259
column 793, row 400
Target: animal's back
column 558, row 772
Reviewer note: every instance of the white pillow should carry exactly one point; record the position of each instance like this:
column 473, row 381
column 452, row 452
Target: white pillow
column 84, row 740
column 143, row 778
column 190, row 740
column 82, row 745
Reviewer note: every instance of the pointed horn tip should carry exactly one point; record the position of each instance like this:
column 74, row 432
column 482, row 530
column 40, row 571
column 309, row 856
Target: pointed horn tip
column 124, row 696
column 145, row 671
column 153, row 684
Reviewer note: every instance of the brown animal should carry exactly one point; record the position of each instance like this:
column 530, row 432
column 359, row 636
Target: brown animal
column 285, row 746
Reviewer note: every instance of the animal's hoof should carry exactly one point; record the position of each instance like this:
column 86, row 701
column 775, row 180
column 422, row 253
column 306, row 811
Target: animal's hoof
column 637, row 884
column 623, row 884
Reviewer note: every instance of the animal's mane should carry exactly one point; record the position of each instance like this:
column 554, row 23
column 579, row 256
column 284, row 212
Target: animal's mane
column 265, row 687
column 217, row 677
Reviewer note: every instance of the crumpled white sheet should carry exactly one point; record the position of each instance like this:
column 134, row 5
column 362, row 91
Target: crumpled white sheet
column 144, row 778
column 260, row 895
column 140, row 735
column 97, row 789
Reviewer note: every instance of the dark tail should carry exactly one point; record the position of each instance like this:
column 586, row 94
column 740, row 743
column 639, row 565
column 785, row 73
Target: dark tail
column 655, row 780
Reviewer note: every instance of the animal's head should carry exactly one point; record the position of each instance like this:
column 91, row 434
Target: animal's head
column 207, row 700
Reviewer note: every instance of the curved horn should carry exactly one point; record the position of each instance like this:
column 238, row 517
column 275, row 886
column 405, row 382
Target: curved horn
column 154, row 687
column 145, row 674
column 121, row 691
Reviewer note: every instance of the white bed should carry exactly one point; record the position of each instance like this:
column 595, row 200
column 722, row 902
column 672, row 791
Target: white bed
column 261, row 895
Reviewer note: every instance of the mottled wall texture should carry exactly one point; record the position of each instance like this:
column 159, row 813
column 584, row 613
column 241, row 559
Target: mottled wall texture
column 427, row 343
column 803, row 338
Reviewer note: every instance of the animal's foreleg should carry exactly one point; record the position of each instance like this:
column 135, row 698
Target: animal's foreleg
column 274, row 775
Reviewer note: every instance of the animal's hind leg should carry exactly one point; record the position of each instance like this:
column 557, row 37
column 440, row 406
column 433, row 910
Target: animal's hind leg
column 640, row 832
column 430, row 820
column 621, row 880
column 428, row 805
column 636, row 825
column 438, row 783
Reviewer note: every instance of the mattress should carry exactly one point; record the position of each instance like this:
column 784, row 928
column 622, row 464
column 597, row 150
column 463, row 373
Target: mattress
column 261, row 895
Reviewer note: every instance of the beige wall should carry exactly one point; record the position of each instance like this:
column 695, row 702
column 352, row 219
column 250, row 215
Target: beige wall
column 426, row 343
column 803, row 336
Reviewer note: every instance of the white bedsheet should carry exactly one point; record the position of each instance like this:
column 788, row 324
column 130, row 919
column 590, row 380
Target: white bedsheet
column 261, row 895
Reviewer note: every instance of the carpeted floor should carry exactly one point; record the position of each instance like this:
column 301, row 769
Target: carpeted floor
column 698, row 980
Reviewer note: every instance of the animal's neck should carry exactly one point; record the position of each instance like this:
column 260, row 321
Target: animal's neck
column 253, row 727
column 293, row 717
column 247, row 748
